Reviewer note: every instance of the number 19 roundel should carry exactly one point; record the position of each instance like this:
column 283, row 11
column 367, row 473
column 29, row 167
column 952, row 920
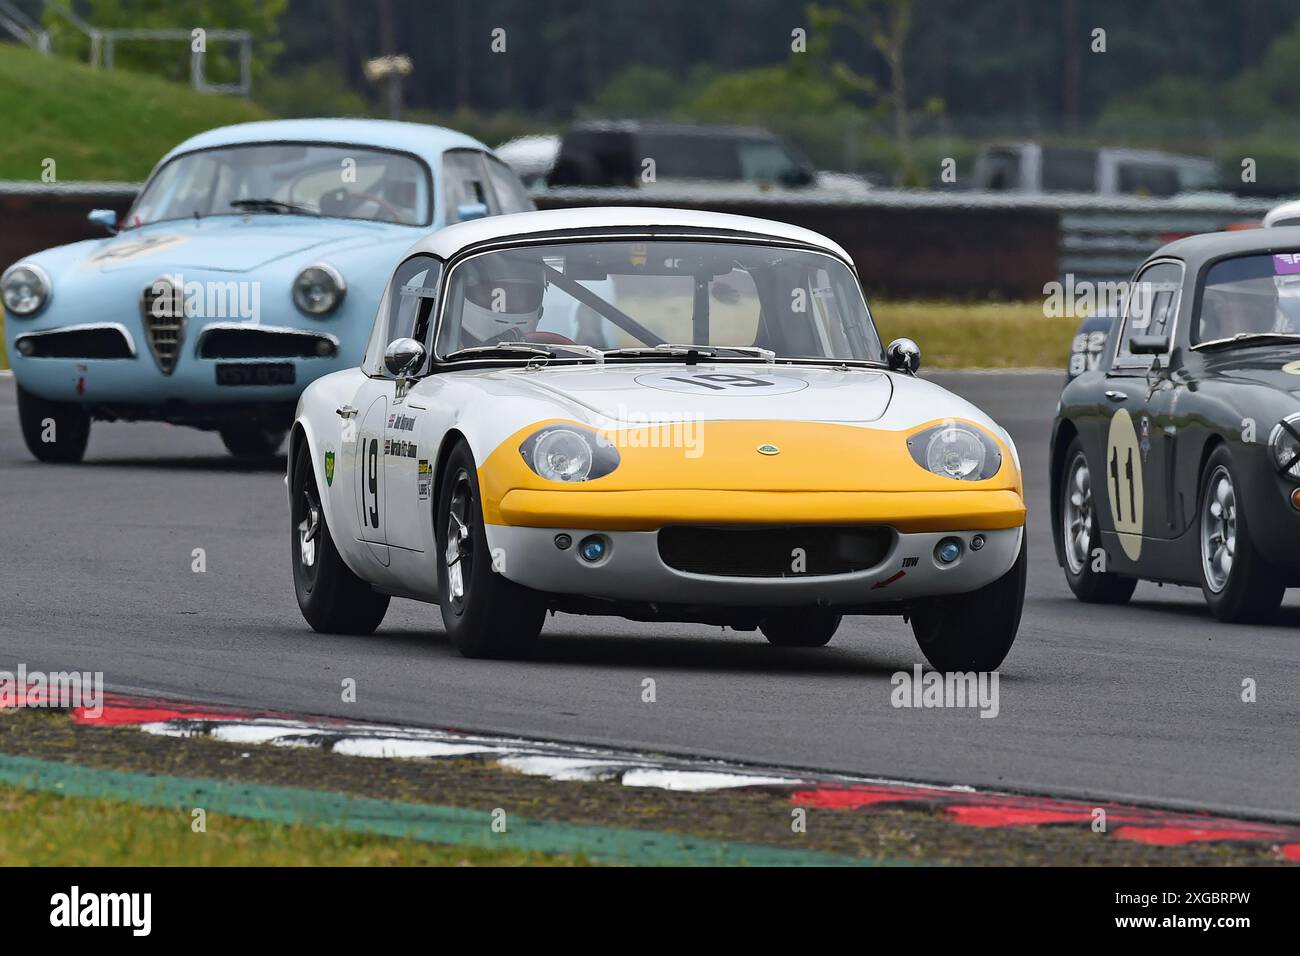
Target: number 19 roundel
column 1123, row 473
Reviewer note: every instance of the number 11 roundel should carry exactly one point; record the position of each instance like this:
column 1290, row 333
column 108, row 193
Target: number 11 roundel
column 1123, row 475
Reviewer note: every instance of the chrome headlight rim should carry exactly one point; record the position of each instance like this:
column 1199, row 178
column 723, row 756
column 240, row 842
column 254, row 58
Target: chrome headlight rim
column 340, row 290
column 42, row 277
column 1284, row 447
column 602, row 456
column 920, row 445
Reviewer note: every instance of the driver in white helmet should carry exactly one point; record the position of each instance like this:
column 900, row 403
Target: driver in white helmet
column 502, row 302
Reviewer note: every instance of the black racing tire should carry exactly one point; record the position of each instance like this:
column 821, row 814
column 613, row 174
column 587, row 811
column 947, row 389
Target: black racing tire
column 1252, row 589
column 67, row 425
column 485, row 614
column 973, row 631
column 252, row 441
column 333, row 600
column 800, row 627
column 1088, row 584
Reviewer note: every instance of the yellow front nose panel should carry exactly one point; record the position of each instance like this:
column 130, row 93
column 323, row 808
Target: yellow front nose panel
column 713, row 472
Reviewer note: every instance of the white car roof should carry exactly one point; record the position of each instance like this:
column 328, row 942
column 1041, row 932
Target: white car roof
column 450, row 240
column 1286, row 212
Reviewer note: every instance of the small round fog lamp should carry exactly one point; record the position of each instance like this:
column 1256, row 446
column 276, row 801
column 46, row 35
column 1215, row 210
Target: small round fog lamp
column 947, row 551
column 592, row 548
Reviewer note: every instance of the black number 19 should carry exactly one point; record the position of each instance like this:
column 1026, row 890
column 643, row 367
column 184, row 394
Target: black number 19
column 372, row 479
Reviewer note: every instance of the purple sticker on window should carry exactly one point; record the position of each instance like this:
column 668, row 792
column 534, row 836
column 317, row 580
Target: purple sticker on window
column 1286, row 264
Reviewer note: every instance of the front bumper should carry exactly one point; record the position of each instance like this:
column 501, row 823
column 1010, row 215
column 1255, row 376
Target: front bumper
column 633, row 570
column 906, row 511
column 134, row 386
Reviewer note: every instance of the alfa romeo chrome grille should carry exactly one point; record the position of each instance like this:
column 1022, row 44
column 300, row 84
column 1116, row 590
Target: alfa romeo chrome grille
column 162, row 307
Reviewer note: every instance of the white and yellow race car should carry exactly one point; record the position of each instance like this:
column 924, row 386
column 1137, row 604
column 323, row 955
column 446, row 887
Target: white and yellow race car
column 660, row 414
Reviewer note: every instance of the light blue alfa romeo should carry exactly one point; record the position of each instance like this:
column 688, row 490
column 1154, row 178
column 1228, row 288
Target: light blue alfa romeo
column 250, row 264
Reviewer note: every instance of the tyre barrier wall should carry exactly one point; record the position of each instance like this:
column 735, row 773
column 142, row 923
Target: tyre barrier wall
column 907, row 243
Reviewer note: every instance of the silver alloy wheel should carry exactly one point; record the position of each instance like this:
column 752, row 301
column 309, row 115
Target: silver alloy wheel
column 1218, row 529
column 309, row 530
column 1077, row 514
column 459, row 553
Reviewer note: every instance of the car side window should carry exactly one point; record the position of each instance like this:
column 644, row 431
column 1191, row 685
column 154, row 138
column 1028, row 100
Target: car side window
column 510, row 193
column 1151, row 309
column 409, row 309
column 465, row 182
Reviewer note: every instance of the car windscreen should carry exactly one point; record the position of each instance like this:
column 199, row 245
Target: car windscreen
column 636, row 294
column 691, row 155
column 344, row 182
column 1069, row 170
column 1250, row 295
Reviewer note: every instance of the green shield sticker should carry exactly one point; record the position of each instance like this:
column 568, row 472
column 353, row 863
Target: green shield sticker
column 329, row 468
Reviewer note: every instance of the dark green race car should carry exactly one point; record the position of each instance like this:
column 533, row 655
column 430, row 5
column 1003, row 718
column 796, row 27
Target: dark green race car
column 1176, row 454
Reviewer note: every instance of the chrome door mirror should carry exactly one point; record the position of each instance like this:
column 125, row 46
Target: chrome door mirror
column 403, row 357
column 904, row 355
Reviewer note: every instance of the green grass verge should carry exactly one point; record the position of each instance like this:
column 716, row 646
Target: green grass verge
column 41, row 829
column 97, row 124
column 395, row 819
column 985, row 335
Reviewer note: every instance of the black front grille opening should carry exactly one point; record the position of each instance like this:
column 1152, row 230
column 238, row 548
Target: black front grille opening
column 251, row 343
column 76, row 344
column 784, row 552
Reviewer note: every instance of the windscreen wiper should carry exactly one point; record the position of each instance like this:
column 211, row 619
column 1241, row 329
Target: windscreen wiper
column 271, row 205
column 481, row 351
column 1253, row 338
column 590, row 351
column 709, row 351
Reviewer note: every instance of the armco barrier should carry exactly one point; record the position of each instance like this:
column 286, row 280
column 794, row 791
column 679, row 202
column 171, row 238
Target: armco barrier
column 906, row 243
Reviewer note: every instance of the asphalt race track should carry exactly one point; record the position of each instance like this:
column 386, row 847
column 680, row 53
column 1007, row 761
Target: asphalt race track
column 1140, row 703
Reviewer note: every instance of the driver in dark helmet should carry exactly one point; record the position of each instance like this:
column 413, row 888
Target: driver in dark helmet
column 502, row 300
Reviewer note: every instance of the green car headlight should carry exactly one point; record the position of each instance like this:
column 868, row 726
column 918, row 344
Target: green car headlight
column 956, row 450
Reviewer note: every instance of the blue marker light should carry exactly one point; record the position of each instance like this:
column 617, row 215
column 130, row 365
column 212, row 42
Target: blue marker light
column 592, row 549
column 947, row 551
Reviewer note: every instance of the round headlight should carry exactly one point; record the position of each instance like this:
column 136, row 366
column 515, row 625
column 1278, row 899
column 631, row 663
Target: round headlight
column 569, row 453
column 562, row 455
column 956, row 452
column 319, row 289
column 1285, row 445
column 25, row 288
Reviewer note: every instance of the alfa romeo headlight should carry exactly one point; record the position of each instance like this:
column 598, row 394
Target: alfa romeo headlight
column 1285, row 445
column 319, row 289
column 956, row 450
column 25, row 288
column 569, row 453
